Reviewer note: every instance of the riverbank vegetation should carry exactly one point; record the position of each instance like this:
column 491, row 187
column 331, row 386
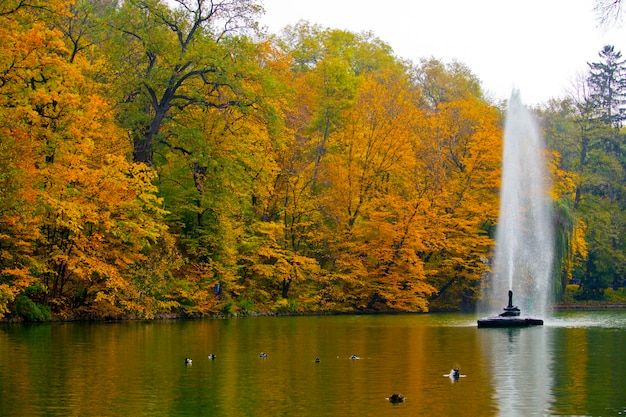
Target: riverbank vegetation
column 174, row 158
column 574, row 299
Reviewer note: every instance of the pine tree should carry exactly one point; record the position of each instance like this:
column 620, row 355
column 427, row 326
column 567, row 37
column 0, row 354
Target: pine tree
column 607, row 81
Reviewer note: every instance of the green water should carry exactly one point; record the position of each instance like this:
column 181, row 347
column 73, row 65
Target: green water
column 573, row 365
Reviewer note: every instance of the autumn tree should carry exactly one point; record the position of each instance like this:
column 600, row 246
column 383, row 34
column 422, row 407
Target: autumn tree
column 444, row 82
column 327, row 66
column 90, row 215
column 28, row 51
column 459, row 159
column 462, row 147
column 375, row 236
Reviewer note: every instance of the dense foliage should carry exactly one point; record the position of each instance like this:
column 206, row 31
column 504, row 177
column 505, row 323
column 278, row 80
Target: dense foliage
column 170, row 157
column 586, row 129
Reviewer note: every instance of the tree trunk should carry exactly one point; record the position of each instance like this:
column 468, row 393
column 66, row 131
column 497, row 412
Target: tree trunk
column 142, row 152
column 373, row 301
column 286, row 285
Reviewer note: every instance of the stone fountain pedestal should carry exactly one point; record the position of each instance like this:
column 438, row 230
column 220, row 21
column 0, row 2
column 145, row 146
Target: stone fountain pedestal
column 509, row 318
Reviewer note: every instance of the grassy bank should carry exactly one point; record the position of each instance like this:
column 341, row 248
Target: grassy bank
column 612, row 299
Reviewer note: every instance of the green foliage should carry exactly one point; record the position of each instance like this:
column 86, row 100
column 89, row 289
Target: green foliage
column 618, row 296
column 30, row 310
column 246, row 306
column 228, row 308
column 574, row 295
column 587, row 133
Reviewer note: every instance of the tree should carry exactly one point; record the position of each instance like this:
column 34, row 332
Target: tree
column 607, row 84
column 462, row 147
column 173, row 59
column 29, row 54
column 377, row 234
column 608, row 12
column 330, row 63
column 83, row 26
column 440, row 82
column 585, row 130
column 89, row 216
column 607, row 164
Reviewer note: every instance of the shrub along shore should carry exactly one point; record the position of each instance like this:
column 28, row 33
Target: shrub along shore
column 613, row 300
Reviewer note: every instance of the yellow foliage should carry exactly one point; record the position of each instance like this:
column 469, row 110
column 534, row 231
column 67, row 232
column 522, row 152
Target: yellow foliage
column 563, row 182
column 92, row 213
column 577, row 254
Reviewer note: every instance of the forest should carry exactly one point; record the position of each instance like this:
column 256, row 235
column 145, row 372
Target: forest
column 172, row 158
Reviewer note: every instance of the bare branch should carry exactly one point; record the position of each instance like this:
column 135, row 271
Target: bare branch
column 608, row 12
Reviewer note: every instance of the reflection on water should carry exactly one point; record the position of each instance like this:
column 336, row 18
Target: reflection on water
column 138, row 369
column 590, row 319
column 520, row 360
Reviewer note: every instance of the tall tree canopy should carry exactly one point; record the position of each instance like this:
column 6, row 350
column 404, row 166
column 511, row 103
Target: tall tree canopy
column 586, row 130
column 77, row 216
column 171, row 157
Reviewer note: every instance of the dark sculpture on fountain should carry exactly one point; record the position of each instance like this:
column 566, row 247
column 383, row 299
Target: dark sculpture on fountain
column 510, row 310
column 510, row 318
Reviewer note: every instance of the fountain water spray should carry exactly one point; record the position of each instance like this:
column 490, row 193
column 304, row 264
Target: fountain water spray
column 524, row 237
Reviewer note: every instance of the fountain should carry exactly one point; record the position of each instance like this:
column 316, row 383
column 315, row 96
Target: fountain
column 510, row 318
column 524, row 237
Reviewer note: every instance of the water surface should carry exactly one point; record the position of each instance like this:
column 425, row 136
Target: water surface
column 573, row 365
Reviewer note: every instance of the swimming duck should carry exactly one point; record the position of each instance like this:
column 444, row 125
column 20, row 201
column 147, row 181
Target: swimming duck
column 354, row 357
column 211, row 356
column 188, row 361
column 455, row 374
column 317, row 360
column 396, row 398
column 263, row 355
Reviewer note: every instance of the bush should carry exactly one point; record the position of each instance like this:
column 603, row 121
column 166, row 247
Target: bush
column 246, row 306
column 618, row 296
column 228, row 308
column 285, row 305
column 30, row 310
column 589, row 294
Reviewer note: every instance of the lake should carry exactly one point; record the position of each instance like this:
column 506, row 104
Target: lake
column 573, row 365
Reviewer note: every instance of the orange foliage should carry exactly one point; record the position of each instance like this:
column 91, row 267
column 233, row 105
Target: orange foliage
column 91, row 212
column 462, row 147
column 329, row 177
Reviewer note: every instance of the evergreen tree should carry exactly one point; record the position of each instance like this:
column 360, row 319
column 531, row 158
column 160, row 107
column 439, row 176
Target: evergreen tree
column 607, row 82
column 603, row 204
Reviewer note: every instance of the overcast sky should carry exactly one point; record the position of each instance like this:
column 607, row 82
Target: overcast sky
column 536, row 46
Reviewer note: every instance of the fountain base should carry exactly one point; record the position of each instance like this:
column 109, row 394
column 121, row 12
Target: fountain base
column 510, row 318
column 499, row 321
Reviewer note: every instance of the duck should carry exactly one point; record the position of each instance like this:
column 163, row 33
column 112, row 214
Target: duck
column 396, row 398
column 188, row 361
column 263, row 355
column 211, row 356
column 317, row 360
column 354, row 357
column 455, row 374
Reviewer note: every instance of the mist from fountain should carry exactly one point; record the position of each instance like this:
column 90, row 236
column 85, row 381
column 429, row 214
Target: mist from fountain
column 524, row 235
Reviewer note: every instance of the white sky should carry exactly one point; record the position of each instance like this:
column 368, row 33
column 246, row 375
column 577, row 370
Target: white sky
column 536, row 46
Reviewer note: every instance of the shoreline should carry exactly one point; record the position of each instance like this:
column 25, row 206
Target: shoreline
column 582, row 306
column 218, row 316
